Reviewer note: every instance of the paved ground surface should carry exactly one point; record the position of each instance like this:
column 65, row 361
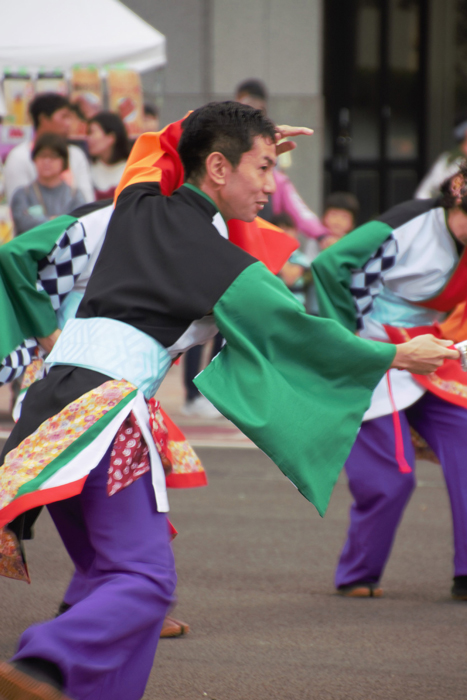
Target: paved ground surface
column 255, row 566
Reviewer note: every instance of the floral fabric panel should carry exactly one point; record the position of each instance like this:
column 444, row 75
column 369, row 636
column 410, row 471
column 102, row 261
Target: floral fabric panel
column 12, row 560
column 37, row 451
column 184, row 458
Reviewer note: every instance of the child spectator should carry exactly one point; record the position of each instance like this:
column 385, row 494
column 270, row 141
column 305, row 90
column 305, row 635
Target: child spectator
column 48, row 196
column 340, row 217
column 295, row 273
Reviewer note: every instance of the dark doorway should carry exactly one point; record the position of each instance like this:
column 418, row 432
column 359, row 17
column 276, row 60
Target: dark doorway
column 374, row 86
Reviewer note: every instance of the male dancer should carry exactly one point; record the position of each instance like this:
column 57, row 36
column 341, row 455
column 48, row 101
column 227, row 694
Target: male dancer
column 393, row 279
column 165, row 265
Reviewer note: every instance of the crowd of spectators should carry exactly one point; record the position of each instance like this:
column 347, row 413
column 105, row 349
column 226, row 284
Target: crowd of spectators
column 50, row 174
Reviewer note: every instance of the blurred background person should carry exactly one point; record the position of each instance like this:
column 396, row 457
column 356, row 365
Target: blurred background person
column 285, row 199
column 50, row 113
column 340, row 215
column 151, row 120
column 196, row 405
column 48, row 195
column 295, row 273
column 448, row 162
column 109, row 148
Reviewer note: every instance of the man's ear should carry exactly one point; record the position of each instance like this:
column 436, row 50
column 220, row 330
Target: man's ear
column 217, row 168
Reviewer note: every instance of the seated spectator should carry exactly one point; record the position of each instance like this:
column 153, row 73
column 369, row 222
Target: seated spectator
column 50, row 113
column 295, row 273
column 109, row 148
column 48, row 196
column 151, row 120
column 340, row 217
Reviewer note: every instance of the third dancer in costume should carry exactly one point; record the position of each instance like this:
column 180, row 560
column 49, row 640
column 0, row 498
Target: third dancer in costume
column 391, row 280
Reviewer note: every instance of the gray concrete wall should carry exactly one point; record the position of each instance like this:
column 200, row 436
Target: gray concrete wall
column 441, row 76
column 214, row 44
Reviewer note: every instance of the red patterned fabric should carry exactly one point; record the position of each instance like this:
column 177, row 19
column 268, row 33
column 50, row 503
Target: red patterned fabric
column 130, row 455
column 129, row 458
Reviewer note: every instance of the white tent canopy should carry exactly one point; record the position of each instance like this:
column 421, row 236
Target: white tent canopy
column 47, row 35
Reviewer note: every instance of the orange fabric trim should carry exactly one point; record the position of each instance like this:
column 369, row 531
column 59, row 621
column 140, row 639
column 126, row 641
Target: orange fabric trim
column 154, row 158
column 455, row 326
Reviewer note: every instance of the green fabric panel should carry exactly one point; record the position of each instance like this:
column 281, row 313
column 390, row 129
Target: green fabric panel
column 75, row 448
column 295, row 384
column 25, row 311
column 332, row 270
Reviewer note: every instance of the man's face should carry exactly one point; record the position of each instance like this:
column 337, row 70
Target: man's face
column 58, row 123
column 248, row 186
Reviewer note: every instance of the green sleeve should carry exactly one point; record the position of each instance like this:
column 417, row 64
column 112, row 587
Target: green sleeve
column 26, row 311
column 332, row 271
column 296, row 385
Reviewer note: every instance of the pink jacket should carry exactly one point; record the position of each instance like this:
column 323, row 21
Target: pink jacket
column 287, row 200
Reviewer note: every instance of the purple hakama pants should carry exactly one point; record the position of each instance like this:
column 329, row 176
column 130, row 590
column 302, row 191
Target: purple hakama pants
column 381, row 491
column 105, row 644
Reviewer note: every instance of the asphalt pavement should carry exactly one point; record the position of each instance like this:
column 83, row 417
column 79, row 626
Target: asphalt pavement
column 255, row 565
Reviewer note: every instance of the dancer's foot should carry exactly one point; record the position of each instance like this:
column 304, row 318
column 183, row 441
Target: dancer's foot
column 361, row 589
column 459, row 588
column 30, row 679
column 173, row 628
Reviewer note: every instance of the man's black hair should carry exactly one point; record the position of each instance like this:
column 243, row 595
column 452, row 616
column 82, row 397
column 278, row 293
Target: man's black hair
column 253, row 87
column 225, row 127
column 111, row 123
column 52, row 142
column 48, row 103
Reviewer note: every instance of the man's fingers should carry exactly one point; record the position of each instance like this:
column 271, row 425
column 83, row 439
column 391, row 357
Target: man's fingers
column 284, row 147
column 441, row 341
column 284, row 131
column 451, row 354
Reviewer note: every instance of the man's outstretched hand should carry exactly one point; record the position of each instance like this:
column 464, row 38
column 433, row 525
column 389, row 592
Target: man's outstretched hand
column 423, row 354
column 286, row 132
